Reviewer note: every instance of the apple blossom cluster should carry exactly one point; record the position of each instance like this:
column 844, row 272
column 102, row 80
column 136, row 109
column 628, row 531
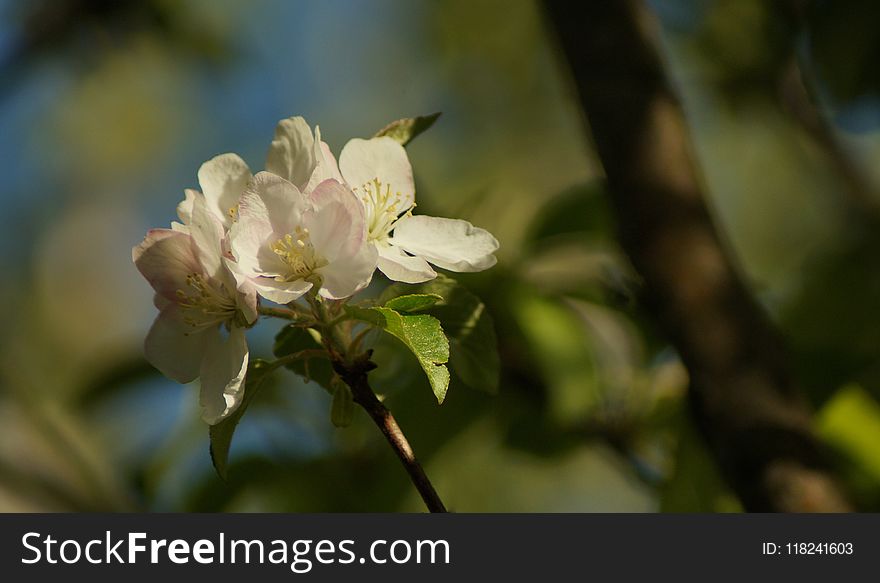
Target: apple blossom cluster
column 306, row 225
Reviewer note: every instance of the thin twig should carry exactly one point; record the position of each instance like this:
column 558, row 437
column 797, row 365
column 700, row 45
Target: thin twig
column 355, row 376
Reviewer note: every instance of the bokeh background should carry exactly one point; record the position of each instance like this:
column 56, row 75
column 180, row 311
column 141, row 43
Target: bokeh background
column 107, row 109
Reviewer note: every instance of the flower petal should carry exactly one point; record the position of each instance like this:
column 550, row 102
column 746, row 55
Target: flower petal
column 166, row 258
column 326, row 167
column 398, row 266
column 349, row 274
column 292, row 154
column 184, row 207
column 223, row 179
column 222, row 373
column 336, row 226
column 270, row 208
column 452, row 244
column 246, row 294
column 280, row 292
column 174, row 347
column 363, row 161
column 272, row 200
column 207, row 235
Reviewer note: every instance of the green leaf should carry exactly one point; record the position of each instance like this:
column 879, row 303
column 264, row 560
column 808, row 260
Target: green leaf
column 413, row 302
column 221, row 433
column 473, row 346
column 565, row 355
column 421, row 333
column 405, row 130
column 342, row 407
column 850, row 421
column 293, row 339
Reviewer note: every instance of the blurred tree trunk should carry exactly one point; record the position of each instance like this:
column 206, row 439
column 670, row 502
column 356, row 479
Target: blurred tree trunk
column 743, row 399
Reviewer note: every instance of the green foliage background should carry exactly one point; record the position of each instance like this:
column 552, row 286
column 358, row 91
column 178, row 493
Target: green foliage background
column 107, row 116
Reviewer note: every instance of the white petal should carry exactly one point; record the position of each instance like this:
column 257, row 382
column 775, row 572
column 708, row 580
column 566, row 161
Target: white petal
column 270, row 208
column 336, row 226
column 166, row 258
column 222, row 374
column 207, row 233
column 246, row 296
column 280, row 292
column 452, row 244
column 247, row 239
column 223, row 179
column 173, row 346
column 349, row 274
column 273, row 200
column 398, row 266
column 184, row 207
column 292, row 153
column 363, row 161
column 326, row 167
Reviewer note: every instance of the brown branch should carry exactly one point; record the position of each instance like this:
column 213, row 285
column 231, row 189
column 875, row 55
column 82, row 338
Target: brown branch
column 355, row 376
column 743, row 398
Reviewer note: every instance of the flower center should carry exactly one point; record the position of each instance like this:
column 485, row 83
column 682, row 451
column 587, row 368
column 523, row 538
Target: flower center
column 203, row 304
column 298, row 253
column 382, row 208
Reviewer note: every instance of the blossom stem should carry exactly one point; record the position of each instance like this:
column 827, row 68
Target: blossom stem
column 355, row 376
column 286, row 314
column 353, row 369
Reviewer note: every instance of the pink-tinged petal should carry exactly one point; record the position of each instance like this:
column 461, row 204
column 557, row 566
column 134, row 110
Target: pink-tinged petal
column 398, row 266
column 347, row 275
column 280, row 292
column 363, row 161
column 272, row 200
column 184, row 207
column 223, row 179
column 326, row 167
column 222, row 373
column 174, row 347
column 165, row 259
column 248, row 238
column 246, row 293
column 161, row 302
column 336, row 227
column 208, row 235
column 452, row 244
column 292, row 153
column 270, row 208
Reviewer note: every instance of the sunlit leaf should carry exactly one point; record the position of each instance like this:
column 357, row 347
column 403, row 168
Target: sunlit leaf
column 405, row 130
column 413, row 302
column 473, row 346
column 850, row 421
column 421, row 333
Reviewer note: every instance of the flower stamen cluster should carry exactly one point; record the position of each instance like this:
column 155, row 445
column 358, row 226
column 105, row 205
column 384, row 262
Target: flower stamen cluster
column 299, row 254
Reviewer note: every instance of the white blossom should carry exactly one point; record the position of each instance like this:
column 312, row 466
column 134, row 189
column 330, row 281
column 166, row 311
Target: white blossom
column 222, row 180
column 380, row 175
column 285, row 241
column 199, row 332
